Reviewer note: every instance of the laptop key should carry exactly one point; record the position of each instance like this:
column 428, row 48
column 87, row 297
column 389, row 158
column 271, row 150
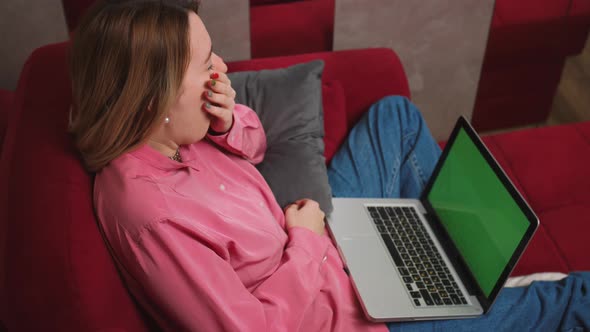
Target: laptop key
column 408, row 279
column 450, row 290
column 416, row 277
column 390, row 211
column 415, row 295
column 392, row 251
column 412, row 270
column 455, row 299
column 403, row 272
column 436, row 298
column 426, row 297
column 409, row 287
column 417, row 302
column 443, row 294
column 420, row 285
column 447, row 301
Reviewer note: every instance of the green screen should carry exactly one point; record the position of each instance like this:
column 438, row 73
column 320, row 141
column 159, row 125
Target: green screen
column 477, row 211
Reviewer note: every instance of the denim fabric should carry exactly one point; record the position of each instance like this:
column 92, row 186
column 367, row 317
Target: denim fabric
column 391, row 153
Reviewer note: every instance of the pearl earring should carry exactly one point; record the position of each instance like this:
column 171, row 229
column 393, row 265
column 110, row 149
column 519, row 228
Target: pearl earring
column 167, row 120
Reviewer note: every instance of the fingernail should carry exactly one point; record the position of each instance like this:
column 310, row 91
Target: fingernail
column 215, row 75
column 213, row 82
column 209, row 94
column 207, row 105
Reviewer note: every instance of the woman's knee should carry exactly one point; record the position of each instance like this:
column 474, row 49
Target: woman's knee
column 399, row 109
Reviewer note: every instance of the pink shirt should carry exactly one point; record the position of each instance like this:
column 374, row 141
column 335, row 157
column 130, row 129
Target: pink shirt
column 203, row 245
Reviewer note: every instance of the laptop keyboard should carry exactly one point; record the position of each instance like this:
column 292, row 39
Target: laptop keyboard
column 418, row 262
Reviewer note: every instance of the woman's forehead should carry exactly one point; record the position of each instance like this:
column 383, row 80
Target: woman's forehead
column 199, row 39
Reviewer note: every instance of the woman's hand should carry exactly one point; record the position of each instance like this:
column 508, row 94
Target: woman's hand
column 220, row 102
column 305, row 213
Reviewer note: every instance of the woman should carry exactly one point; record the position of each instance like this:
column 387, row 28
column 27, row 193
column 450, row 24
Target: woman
column 195, row 230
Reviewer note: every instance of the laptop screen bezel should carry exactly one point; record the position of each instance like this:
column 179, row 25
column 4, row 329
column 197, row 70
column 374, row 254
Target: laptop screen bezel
column 455, row 256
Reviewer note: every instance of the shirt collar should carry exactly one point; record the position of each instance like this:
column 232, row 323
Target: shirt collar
column 157, row 160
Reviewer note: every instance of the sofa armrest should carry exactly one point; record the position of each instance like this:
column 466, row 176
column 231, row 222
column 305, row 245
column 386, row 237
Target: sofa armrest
column 366, row 75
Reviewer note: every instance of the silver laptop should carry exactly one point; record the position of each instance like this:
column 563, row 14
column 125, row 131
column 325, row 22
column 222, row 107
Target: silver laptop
column 446, row 255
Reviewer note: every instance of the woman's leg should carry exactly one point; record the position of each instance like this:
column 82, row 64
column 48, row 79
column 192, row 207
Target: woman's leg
column 389, row 153
column 543, row 306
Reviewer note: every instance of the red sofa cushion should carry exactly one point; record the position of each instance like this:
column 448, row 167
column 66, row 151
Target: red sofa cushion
column 333, row 101
column 58, row 269
column 254, row 3
column 6, row 99
column 550, row 168
column 530, row 29
column 292, row 28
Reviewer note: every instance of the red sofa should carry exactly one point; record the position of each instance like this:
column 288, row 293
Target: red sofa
column 528, row 44
column 57, row 273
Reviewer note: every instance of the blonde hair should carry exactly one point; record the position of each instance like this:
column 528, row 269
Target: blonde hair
column 127, row 62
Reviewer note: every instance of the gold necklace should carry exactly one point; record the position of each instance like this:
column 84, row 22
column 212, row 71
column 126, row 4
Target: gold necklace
column 176, row 156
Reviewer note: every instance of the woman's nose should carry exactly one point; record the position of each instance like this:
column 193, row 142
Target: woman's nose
column 218, row 63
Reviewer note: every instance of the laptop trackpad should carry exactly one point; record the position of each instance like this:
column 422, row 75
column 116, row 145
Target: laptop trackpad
column 374, row 276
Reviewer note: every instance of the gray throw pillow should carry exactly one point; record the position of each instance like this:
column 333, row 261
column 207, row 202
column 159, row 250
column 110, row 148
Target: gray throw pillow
column 288, row 102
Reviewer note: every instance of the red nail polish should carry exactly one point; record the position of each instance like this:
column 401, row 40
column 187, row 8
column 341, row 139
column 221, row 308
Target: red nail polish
column 214, row 75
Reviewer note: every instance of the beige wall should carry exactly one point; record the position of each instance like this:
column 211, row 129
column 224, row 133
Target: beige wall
column 441, row 44
column 24, row 26
column 229, row 29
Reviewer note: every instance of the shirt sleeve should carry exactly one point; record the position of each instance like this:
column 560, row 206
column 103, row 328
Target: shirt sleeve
column 246, row 137
column 190, row 283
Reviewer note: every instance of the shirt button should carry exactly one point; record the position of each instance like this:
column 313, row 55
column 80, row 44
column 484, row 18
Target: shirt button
column 222, row 187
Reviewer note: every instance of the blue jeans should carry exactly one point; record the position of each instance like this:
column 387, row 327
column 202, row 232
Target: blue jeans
column 391, row 153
